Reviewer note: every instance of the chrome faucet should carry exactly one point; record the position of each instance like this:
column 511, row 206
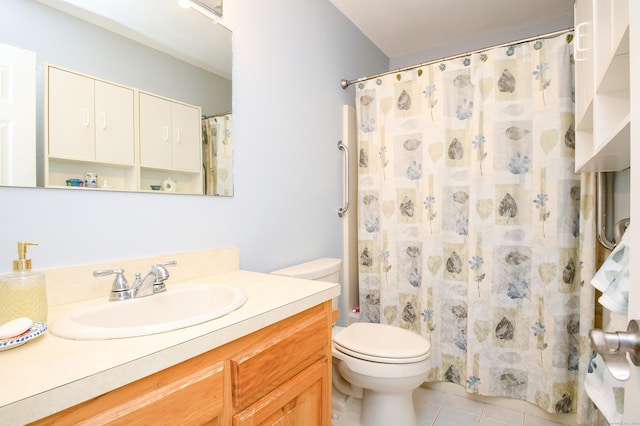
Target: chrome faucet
column 151, row 284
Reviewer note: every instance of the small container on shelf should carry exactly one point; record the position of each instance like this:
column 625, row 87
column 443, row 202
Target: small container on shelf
column 75, row 182
column 169, row 185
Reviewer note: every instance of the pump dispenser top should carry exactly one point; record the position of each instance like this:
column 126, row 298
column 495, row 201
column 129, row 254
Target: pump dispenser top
column 22, row 263
column 23, row 292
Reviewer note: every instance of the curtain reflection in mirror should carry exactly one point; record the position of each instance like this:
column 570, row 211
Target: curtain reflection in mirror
column 217, row 148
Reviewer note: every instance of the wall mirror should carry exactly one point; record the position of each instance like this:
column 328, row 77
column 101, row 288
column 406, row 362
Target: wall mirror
column 156, row 46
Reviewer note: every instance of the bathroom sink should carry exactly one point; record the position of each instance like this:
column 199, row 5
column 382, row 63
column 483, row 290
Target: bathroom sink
column 178, row 307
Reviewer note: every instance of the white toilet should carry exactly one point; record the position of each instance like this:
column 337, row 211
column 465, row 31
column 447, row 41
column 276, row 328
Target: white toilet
column 377, row 363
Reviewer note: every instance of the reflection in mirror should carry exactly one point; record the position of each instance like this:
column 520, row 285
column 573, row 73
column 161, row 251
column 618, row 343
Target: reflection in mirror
column 218, row 154
column 206, row 6
column 151, row 45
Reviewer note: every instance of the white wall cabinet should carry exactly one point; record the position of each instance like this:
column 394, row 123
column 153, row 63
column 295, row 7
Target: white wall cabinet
column 170, row 142
column 602, row 85
column 131, row 139
column 90, row 128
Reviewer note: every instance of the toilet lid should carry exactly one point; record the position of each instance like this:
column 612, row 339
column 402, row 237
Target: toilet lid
column 382, row 343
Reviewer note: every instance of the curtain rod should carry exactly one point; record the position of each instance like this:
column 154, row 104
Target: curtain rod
column 204, row 117
column 346, row 83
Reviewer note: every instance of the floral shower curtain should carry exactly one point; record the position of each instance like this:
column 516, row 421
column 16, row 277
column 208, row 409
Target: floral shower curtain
column 217, row 159
column 469, row 224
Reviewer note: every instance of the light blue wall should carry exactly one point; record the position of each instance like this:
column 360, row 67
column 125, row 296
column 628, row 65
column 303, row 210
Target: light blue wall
column 63, row 40
column 468, row 44
column 289, row 57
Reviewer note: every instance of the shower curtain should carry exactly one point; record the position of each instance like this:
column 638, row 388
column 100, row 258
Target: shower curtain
column 217, row 159
column 469, row 224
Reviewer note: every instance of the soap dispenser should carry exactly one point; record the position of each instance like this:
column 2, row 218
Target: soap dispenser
column 23, row 292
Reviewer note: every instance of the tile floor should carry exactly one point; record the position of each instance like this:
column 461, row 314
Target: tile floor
column 439, row 408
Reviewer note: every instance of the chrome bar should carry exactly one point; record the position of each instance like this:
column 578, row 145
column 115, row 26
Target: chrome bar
column 604, row 199
column 345, row 191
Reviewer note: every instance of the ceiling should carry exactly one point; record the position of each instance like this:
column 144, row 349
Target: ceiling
column 162, row 25
column 412, row 26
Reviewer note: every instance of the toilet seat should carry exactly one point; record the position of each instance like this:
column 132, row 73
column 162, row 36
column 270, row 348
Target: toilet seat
column 382, row 343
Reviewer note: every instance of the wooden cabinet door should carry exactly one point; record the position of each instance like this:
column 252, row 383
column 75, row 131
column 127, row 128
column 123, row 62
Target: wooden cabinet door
column 155, row 132
column 114, row 124
column 297, row 402
column 186, row 132
column 70, row 115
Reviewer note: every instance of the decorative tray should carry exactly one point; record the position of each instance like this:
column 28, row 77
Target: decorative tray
column 34, row 331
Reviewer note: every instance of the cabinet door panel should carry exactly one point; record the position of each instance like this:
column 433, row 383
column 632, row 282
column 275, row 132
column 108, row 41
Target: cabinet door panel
column 297, row 402
column 584, row 57
column 186, row 137
column 155, row 132
column 70, row 115
column 114, row 124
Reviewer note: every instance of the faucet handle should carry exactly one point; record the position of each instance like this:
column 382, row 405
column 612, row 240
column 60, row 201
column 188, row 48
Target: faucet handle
column 120, row 286
column 161, row 275
column 160, row 270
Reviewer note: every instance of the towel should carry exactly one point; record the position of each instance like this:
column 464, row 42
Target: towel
column 612, row 279
column 616, row 296
column 606, row 392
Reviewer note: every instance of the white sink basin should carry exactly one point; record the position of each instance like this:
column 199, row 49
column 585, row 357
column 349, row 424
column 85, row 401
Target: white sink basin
column 180, row 306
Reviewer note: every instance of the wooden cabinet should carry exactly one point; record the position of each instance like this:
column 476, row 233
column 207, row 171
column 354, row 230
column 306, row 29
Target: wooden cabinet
column 602, row 85
column 170, row 142
column 90, row 128
column 278, row 375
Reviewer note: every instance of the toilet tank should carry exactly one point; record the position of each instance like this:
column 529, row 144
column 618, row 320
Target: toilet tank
column 324, row 269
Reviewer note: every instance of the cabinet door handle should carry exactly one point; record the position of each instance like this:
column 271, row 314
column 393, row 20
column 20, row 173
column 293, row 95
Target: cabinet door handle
column 86, row 117
column 103, row 115
column 178, row 136
column 166, row 133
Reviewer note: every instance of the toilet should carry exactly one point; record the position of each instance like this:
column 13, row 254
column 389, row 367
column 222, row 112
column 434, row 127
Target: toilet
column 378, row 364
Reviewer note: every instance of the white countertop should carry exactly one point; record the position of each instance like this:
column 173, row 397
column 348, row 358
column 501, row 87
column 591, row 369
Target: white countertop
column 49, row 373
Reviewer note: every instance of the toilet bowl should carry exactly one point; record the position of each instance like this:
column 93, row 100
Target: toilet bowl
column 384, row 365
column 376, row 364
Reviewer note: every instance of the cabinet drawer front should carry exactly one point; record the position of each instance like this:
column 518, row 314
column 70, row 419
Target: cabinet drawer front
column 170, row 397
column 264, row 366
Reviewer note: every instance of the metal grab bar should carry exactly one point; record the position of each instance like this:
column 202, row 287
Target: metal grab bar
column 604, row 206
column 345, row 192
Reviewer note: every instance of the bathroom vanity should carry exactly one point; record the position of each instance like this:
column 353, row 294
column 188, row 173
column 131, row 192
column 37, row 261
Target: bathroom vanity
column 268, row 360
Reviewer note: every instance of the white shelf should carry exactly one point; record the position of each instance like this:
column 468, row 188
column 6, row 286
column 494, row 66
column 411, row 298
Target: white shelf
column 612, row 156
column 603, row 120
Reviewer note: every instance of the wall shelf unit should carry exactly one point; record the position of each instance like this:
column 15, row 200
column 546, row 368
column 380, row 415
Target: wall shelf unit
column 129, row 138
column 603, row 120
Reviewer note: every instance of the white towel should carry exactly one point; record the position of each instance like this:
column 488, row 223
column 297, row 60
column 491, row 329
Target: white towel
column 615, row 262
column 606, row 392
column 616, row 297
